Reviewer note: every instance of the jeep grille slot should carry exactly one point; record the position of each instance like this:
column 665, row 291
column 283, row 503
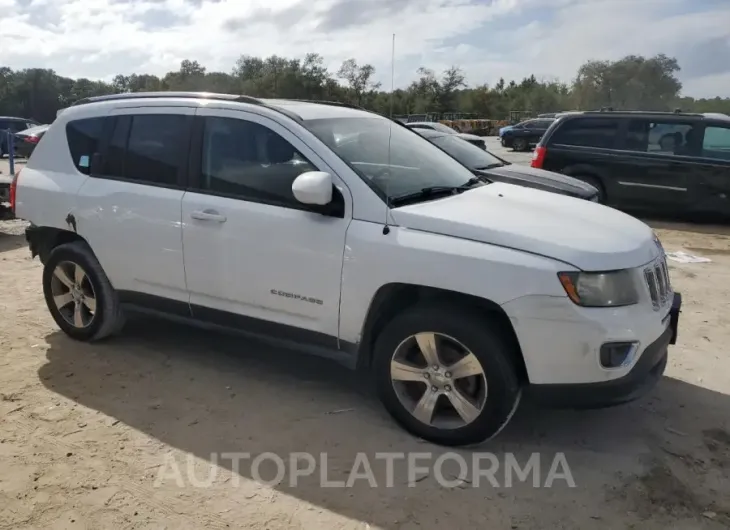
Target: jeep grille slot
column 657, row 280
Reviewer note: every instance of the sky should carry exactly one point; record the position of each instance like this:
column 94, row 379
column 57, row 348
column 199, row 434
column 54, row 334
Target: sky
column 488, row 39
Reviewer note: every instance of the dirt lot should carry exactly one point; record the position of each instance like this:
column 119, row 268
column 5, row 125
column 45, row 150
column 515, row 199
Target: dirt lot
column 86, row 429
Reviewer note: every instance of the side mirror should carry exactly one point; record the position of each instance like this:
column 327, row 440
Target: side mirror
column 313, row 188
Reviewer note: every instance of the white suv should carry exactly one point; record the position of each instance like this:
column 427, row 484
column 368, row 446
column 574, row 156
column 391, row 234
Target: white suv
column 345, row 234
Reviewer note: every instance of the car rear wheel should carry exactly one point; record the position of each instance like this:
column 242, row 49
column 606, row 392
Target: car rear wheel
column 519, row 144
column 79, row 295
column 445, row 375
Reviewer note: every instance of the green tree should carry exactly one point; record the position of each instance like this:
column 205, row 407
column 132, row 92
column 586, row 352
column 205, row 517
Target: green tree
column 359, row 79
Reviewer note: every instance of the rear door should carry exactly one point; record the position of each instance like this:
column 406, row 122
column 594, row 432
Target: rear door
column 539, row 129
column 711, row 192
column 129, row 210
column 657, row 163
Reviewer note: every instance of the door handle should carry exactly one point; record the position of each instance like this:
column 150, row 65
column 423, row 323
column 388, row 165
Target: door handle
column 208, row 215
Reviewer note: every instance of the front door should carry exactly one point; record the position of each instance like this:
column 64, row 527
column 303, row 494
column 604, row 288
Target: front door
column 253, row 254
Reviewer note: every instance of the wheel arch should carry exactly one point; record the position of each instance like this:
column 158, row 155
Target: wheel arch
column 393, row 298
column 43, row 239
column 576, row 170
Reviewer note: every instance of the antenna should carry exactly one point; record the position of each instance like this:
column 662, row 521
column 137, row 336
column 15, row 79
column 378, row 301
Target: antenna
column 386, row 228
column 392, row 76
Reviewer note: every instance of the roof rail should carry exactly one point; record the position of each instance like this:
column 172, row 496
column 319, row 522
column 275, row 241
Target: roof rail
column 162, row 94
column 234, row 98
column 649, row 112
column 331, row 103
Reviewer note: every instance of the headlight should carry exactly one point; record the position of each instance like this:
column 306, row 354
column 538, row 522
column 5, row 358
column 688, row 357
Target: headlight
column 600, row 289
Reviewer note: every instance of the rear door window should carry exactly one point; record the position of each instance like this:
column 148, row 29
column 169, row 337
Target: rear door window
column 148, row 148
column 665, row 137
column 83, row 137
column 587, row 132
column 716, row 142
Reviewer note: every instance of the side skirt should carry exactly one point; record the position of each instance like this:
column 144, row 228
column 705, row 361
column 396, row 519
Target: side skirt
column 273, row 333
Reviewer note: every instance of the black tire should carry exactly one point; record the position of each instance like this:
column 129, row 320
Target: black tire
column 596, row 183
column 483, row 339
column 108, row 317
column 520, row 144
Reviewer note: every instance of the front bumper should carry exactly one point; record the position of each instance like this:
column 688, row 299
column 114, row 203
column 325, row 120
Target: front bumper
column 637, row 382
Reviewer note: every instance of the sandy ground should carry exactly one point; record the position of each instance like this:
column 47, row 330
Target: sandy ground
column 86, row 430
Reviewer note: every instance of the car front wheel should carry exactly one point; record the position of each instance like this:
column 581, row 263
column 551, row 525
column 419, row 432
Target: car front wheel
column 446, row 375
column 519, row 144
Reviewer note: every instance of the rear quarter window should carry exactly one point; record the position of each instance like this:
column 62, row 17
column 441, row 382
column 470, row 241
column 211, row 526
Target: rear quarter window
column 587, row 132
column 83, row 138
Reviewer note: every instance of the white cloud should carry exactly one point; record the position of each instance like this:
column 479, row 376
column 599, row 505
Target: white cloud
column 489, row 39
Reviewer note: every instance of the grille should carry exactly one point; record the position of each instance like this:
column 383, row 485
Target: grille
column 657, row 279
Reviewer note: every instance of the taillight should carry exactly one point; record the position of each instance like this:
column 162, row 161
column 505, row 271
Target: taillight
column 32, row 139
column 538, row 157
column 13, row 190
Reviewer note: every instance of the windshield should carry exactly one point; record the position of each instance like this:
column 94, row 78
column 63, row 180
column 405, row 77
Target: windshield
column 411, row 164
column 468, row 154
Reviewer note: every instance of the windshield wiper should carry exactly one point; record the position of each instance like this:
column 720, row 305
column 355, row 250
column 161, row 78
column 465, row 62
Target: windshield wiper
column 431, row 192
column 490, row 166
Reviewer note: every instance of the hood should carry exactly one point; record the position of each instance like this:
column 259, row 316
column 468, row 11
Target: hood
column 541, row 179
column 470, row 137
column 505, row 129
column 585, row 234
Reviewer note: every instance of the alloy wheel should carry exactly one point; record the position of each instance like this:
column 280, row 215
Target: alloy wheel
column 438, row 380
column 73, row 294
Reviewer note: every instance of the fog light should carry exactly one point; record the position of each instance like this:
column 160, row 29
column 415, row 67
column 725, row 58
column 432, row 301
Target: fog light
column 618, row 354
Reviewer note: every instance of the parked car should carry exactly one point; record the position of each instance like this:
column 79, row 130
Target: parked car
column 663, row 162
column 495, row 169
column 14, row 125
column 26, row 141
column 6, row 182
column 378, row 250
column 503, row 130
column 435, row 126
column 522, row 136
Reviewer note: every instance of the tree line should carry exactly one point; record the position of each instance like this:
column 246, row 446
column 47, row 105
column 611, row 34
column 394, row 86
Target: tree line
column 633, row 82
